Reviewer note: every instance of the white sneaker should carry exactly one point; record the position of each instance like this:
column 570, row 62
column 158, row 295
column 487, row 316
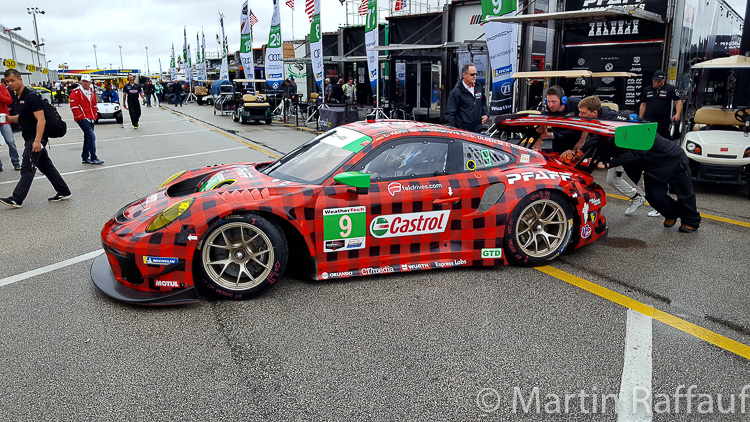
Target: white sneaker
column 654, row 213
column 635, row 203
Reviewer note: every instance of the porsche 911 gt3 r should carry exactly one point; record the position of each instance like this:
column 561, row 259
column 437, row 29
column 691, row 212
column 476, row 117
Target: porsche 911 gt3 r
column 367, row 198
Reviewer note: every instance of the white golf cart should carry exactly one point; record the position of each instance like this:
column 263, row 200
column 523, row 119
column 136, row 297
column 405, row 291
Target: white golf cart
column 718, row 144
column 107, row 110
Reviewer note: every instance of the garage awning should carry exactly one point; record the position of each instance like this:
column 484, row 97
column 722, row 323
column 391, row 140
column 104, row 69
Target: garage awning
column 406, row 47
column 552, row 74
column 582, row 15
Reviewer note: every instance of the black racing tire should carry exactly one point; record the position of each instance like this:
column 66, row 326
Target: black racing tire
column 242, row 256
column 538, row 229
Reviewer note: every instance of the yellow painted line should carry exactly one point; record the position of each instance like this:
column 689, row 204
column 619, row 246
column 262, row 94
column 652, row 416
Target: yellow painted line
column 671, row 320
column 704, row 215
column 221, row 132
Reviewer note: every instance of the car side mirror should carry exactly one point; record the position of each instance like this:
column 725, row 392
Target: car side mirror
column 359, row 181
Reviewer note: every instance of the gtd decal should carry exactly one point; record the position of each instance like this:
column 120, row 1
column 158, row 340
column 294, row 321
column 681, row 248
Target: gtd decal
column 410, row 224
column 538, row 175
column 491, row 253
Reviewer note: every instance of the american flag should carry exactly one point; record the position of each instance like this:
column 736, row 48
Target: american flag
column 399, row 5
column 290, row 3
column 253, row 19
column 363, row 8
column 310, row 8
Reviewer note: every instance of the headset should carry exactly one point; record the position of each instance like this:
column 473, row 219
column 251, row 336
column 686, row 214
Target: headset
column 557, row 91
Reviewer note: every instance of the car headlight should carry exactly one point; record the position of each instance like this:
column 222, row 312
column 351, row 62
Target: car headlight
column 747, row 153
column 169, row 215
column 117, row 108
column 693, row 147
column 171, row 178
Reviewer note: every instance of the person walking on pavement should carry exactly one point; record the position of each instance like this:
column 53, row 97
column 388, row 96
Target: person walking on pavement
column 656, row 104
column 132, row 91
column 147, row 91
column 467, row 108
column 177, row 88
column 29, row 111
column 5, row 130
column 83, row 106
column 159, row 90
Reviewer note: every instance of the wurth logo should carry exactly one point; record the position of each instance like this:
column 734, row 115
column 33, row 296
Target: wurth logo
column 476, row 20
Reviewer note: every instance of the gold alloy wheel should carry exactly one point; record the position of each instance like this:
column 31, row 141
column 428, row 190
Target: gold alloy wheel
column 238, row 256
column 541, row 228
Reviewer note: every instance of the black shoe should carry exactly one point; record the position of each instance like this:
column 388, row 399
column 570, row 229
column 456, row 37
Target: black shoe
column 10, row 202
column 86, row 161
column 669, row 222
column 59, row 197
column 96, row 161
column 17, row 167
column 684, row 228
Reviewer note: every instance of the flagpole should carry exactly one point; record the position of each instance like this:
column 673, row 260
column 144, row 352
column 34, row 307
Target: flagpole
column 292, row 23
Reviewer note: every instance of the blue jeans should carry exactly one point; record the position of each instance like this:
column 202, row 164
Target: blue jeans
column 177, row 99
column 89, row 140
column 7, row 134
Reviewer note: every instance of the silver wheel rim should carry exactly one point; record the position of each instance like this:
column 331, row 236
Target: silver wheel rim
column 541, row 228
column 238, row 256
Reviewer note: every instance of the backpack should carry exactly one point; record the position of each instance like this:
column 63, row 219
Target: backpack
column 55, row 127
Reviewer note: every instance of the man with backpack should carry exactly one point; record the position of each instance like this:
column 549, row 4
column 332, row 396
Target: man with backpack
column 83, row 106
column 29, row 110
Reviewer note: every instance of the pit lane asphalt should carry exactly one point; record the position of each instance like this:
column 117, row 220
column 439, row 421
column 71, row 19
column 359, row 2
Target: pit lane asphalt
column 417, row 346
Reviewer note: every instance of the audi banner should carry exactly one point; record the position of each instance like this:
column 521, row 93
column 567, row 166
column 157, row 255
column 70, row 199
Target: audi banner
column 246, row 42
column 274, row 65
column 501, row 44
column 316, row 46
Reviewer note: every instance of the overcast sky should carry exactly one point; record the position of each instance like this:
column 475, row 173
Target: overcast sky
column 70, row 28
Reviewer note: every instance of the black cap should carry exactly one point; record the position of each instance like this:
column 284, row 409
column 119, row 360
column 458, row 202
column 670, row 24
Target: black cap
column 659, row 75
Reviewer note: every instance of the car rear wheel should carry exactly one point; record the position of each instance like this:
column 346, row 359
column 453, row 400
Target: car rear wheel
column 539, row 228
column 243, row 256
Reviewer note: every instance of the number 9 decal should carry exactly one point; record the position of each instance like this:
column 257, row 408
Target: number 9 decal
column 345, row 223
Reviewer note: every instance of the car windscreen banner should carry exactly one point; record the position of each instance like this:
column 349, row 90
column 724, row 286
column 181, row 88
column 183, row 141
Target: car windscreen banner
column 246, row 42
column 172, row 70
column 274, row 65
column 371, row 41
column 316, row 46
column 502, row 45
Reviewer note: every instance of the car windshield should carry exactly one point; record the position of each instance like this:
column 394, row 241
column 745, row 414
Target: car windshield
column 314, row 161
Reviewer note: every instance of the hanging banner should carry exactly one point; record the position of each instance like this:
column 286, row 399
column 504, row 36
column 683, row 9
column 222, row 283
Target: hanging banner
column 502, row 46
column 189, row 66
column 161, row 74
column 198, row 61
column 204, row 64
column 316, row 46
column 224, row 71
column 274, row 65
column 246, row 42
column 186, row 54
column 371, row 41
column 172, row 69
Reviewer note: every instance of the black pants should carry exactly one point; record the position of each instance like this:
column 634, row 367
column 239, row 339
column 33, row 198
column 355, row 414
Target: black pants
column 684, row 208
column 663, row 129
column 37, row 160
column 134, row 108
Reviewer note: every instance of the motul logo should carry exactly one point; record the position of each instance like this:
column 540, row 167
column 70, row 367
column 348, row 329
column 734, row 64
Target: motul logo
column 476, row 20
column 411, row 224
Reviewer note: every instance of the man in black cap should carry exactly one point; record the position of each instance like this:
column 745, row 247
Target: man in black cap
column 656, row 104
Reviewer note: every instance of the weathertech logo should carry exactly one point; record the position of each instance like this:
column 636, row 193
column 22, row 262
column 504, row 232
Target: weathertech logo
column 476, row 20
column 411, row 224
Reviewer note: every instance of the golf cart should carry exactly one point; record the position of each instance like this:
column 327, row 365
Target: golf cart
column 252, row 106
column 222, row 92
column 203, row 93
column 718, row 143
column 107, row 110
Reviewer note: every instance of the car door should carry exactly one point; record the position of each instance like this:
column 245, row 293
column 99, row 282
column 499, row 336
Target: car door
column 407, row 212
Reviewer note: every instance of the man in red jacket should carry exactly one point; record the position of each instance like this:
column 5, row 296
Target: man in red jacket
column 5, row 131
column 83, row 106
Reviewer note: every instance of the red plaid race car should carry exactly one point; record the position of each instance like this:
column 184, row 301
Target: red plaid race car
column 367, row 198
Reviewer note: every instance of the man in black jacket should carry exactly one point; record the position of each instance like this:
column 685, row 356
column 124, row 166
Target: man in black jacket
column 557, row 104
column 664, row 167
column 467, row 108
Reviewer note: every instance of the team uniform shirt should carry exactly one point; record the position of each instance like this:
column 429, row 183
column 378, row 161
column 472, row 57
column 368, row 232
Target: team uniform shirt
column 565, row 139
column 132, row 92
column 659, row 102
column 25, row 106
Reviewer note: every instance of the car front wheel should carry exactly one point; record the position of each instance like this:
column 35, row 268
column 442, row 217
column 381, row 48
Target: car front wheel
column 243, row 256
column 539, row 228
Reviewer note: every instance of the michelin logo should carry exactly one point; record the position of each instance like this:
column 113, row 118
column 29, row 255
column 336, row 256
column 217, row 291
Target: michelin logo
column 155, row 260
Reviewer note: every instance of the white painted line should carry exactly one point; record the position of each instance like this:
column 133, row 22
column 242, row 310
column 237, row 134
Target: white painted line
column 49, row 268
column 132, row 137
column 635, row 401
column 133, row 163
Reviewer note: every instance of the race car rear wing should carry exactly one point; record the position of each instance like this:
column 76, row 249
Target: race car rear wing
column 628, row 135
